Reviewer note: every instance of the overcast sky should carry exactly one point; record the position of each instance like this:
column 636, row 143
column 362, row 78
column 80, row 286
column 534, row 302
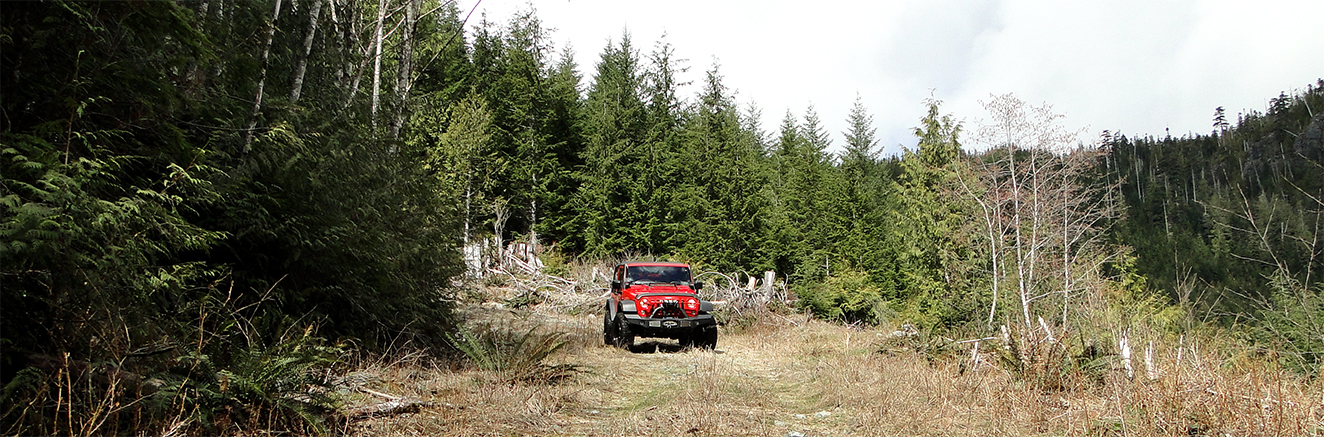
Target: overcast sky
column 1138, row 67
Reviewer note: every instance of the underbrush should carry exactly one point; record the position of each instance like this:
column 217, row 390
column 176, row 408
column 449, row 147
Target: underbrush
column 277, row 387
column 1204, row 382
column 226, row 377
column 516, row 356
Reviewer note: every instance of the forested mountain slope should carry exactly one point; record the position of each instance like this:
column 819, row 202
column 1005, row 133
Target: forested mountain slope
column 1217, row 219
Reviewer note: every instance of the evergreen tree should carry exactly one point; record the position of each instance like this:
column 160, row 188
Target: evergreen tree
column 720, row 215
column 533, row 102
column 616, row 180
column 566, row 144
column 169, row 174
column 934, row 261
column 860, row 154
column 1189, row 201
column 866, row 200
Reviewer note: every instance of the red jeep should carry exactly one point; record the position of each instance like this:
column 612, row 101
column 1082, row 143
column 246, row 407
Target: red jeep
column 657, row 299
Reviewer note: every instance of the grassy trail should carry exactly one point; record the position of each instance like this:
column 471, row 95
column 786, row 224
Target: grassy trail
column 809, row 378
column 793, row 378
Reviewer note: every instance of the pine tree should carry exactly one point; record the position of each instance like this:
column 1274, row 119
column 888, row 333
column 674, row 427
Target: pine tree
column 866, row 197
column 566, row 143
column 860, row 154
column 809, row 214
column 533, row 113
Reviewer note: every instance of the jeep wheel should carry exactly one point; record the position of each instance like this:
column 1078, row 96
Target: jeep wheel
column 706, row 338
column 624, row 338
column 607, row 332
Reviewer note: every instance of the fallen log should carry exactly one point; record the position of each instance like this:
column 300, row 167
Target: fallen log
column 388, row 408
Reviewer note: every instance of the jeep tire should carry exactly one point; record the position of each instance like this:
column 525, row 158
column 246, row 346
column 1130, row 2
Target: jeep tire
column 608, row 331
column 705, row 338
column 624, row 339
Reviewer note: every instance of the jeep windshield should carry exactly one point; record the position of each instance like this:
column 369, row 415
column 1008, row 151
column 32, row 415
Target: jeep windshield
column 658, row 274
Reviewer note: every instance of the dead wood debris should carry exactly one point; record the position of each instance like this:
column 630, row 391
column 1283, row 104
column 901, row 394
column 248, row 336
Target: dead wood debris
column 388, row 408
column 524, row 278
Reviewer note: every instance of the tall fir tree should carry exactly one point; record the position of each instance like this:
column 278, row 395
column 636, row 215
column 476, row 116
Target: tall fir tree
column 720, row 212
column 930, row 213
column 615, row 181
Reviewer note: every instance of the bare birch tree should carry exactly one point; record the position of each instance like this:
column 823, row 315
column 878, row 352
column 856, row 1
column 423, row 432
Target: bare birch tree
column 262, row 80
column 297, row 87
column 377, row 60
column 404, row 77
column 991, row 194
column 1038, row 215
column 352, row 52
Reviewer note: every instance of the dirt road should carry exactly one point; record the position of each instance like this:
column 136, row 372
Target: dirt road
column 781, row 378
column 791, row 377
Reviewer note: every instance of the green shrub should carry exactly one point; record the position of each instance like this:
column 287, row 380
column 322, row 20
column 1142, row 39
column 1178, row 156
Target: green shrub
column 1293, row 324
column 555, row 262
column 514, row 355
column 281, row 386
column 848, row 296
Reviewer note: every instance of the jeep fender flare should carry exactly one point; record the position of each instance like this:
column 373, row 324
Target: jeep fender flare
column 625, row 306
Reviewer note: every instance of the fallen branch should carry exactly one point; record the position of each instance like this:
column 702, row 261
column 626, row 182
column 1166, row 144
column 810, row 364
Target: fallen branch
column 380, row 394
column 785, row 318
column 388, row 408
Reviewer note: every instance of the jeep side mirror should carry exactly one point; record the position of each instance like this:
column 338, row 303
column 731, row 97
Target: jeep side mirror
column 615, row 285
column 698, row 285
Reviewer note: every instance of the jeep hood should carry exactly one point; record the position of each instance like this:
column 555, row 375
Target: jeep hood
column 659, row 288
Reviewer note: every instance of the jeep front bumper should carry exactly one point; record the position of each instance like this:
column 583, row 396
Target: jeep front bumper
column 668, row 327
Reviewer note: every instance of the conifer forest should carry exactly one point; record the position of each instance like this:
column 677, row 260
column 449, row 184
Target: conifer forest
column 209, row 205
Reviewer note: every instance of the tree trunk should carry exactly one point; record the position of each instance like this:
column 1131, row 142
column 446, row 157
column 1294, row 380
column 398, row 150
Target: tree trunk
column 344, row 43
column 1019, row 242
column 468, row 210
column 297, row 88
column 533, row 222
column 1067, row 259
column 262, row 81
column 222, row 12
column 532, row 215
column 404, row 79
column 500, row 214
column 377, row 62
column 1036, row 223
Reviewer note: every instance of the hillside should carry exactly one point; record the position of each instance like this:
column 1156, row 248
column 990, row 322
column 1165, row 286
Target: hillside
column 1212, row 216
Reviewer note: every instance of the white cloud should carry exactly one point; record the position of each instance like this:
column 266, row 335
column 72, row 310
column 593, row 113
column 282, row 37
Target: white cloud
column 1132, row 66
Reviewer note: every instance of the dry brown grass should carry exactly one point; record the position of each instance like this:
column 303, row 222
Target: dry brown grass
column 815, row 378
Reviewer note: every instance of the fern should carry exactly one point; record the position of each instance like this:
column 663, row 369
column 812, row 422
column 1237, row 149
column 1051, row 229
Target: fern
column 515, row 355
